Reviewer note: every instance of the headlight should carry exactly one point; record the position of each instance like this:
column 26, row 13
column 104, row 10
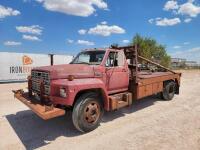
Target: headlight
column 63, row 92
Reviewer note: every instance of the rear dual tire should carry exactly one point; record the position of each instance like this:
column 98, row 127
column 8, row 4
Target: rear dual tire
column 168, row 90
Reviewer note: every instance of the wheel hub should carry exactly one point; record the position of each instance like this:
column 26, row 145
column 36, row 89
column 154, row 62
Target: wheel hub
column 92, row 112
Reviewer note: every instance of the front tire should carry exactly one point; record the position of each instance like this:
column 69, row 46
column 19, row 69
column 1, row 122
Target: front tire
column 87, row 112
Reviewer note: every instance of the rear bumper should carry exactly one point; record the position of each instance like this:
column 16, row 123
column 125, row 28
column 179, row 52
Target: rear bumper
column 43, row 111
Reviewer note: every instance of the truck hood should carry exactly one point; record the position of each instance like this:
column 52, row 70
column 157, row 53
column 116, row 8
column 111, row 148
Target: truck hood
column 63, row 71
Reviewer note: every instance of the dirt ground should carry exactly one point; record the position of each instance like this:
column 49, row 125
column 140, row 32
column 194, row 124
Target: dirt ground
column 150, row 124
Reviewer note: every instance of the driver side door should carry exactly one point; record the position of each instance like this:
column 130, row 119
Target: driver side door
column 117, row 77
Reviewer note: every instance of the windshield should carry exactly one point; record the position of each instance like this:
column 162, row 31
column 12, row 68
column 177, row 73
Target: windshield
column 89, row 57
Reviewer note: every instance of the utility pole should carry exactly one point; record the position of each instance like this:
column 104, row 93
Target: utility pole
column 51, row 59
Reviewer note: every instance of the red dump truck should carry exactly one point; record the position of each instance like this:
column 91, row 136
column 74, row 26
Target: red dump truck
column 97, row 80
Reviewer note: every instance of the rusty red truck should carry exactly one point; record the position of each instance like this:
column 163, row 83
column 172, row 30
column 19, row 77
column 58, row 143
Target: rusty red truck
column 97, row 80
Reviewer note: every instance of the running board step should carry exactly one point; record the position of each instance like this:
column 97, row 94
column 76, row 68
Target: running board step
column 118, row 101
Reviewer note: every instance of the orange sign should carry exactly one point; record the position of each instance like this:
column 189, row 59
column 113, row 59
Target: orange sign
column 27, row 60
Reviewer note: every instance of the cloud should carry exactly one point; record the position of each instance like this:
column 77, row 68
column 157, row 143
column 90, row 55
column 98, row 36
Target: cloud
column 165, row 21
column 187, row 20
column 171, row 5
column 7, row 11
column 177, row 47
column 83, row 42
column 31, row 38
column 105, row 30
column 70, row 41
column 12, row 43
column 81, row 8
column 125, row 41
column 180, row 46
column 151, row 21
column 82, row 31
column 189, row 9
column 103, row 22
column 34, row 29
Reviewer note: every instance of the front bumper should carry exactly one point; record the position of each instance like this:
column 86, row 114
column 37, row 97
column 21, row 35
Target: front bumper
column 43, row 111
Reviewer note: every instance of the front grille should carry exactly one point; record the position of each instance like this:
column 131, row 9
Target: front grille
column 36, row 77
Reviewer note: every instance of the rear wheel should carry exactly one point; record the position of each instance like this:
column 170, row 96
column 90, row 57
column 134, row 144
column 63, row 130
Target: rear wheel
column 87, row 112
column 168, row 90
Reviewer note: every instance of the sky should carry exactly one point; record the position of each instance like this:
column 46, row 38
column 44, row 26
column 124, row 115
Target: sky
column 68, row 26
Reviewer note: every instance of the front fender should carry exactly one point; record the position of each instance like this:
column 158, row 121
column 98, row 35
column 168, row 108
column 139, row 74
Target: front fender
column 74, row 87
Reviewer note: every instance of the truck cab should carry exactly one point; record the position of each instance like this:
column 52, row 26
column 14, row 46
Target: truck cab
column 97, row 80
column 108, row 66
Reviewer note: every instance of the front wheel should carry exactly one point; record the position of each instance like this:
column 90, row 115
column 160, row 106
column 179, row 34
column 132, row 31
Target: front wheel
column 87, row 112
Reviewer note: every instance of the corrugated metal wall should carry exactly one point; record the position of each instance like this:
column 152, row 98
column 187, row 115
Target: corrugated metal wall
column 17, row 66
